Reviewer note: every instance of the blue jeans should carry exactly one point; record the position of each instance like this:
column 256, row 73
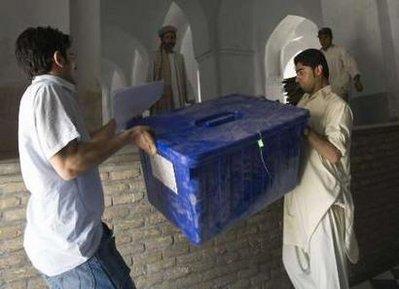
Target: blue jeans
column 105, row 270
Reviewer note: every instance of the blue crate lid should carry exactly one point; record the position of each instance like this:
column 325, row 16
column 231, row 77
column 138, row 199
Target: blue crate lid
column 193, row 135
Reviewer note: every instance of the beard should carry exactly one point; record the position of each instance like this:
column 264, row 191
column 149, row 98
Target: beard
column 168, row 46
column 306, row 88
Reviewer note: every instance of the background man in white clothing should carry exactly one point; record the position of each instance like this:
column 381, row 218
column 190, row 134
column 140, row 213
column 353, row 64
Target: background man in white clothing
column 342, row 66
column 64, row 236
column 168, row 65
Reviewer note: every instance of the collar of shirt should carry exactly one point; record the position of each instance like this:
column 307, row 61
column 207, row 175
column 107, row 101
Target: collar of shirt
column 55, row 79
column 168, row 52
column 320, row 93
column 329, row 47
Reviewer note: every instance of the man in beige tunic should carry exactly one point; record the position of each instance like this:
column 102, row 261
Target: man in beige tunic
column 318, row 213
column 168, row 65
column 342, row 66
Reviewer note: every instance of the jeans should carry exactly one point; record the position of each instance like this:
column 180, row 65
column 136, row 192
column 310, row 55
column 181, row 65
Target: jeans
column 105, row 270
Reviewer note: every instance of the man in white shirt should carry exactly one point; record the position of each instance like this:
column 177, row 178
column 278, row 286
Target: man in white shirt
column 168, row 65
column 342, row 66
column 64, row 236
column 318, row 214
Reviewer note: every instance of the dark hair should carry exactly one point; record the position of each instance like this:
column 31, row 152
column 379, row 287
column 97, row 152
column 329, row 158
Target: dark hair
column 325, row 31
column 35, row 47
column 313, row 58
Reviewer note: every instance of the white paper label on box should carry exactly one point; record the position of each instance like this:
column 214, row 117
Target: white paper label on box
column 164, row 171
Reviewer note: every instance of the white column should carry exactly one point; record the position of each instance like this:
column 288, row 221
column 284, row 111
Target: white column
column 208, row 75
column 85, row 32
column 237, row 71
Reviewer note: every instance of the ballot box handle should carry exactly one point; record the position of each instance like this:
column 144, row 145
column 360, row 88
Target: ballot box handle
column 218, row 119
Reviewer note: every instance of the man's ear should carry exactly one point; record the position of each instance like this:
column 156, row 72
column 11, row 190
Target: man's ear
column 318, row 70
column 58, row 59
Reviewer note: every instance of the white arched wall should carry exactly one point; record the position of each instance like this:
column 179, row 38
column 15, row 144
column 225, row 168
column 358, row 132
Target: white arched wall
column 292, row 35
column 356, row 25
column 139, row 67
column 113, row 78
column 267, row 16
column 125, row 62
column 143, row 18
column 176, row 17
column 388, row 12
column 243, row 29
column 202, row 46
column 304, row 38
column 192, row 70
column 122, row 48
column 235, row 47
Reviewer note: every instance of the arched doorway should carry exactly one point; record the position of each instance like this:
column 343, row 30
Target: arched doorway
column 113, row 79
column 125, row 62
column 176, row 17
column 292, row 35
column 139, row 68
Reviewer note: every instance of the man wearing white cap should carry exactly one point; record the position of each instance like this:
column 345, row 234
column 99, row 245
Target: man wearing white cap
column 168, row 66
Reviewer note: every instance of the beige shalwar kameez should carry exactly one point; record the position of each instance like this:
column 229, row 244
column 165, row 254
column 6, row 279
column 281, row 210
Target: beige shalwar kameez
column 318, row 213
column 170, row 68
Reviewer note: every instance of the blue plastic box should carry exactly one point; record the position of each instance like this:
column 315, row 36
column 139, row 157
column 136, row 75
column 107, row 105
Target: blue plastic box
column 212, row 169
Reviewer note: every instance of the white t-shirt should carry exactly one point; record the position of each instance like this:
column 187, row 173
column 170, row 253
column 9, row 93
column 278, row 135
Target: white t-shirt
column 63, row 225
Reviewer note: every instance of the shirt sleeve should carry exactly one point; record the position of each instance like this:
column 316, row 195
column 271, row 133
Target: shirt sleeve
column 55, row 119
column 339, row 126
column 349, row 63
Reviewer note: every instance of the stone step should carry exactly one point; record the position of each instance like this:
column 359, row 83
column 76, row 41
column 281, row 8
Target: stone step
column 10, row 178
column 10, row 167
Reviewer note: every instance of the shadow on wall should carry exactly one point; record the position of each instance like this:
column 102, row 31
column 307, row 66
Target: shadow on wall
column 10, row 95
column 370, row 109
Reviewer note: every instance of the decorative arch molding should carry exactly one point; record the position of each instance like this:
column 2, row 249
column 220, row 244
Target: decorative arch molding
column 120, row 53
column 113, row 78
column 202, row 46
column 177, row 17
column 199, row 25
column 119, row 47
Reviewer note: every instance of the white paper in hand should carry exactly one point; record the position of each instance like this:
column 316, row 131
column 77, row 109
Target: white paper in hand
column 129, row 102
